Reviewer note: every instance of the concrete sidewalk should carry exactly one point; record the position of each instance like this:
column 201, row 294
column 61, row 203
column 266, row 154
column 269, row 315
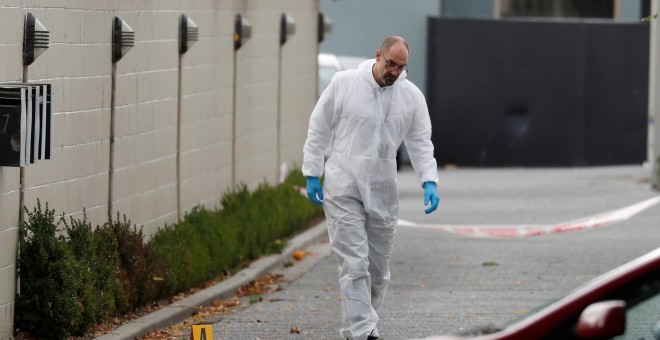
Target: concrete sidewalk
column 445, row 283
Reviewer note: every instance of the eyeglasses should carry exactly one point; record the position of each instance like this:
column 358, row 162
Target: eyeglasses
column 390, row 65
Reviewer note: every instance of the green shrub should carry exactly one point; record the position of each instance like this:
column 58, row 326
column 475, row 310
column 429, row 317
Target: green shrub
column 186, row 260
column 69, row 283
column 97, row 251
column 217, row 236
column 211, row 242
column 140, row 272
column 49, row 304
column 81, row 244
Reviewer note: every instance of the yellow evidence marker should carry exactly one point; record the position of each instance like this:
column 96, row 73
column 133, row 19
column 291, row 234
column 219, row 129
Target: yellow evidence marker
column 201, row 332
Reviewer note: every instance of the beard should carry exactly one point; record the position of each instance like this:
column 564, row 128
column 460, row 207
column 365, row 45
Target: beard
column 388, row 80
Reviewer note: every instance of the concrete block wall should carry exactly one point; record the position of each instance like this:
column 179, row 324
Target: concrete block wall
column 78, row 64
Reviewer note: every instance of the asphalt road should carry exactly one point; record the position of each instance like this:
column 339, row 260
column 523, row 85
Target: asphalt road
column 444, row 283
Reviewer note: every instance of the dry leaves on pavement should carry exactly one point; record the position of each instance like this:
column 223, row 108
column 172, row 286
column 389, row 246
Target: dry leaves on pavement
column 259, row 286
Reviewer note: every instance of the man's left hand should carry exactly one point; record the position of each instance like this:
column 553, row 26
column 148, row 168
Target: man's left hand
column 431, row 196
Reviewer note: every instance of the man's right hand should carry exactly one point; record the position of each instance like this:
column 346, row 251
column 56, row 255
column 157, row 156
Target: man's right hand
column 314, row 190
column 431, row 196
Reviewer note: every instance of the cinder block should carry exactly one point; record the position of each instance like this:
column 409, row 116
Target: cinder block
column 8, row 283
column 8, row 245
column 7, row 319
column 13, row 17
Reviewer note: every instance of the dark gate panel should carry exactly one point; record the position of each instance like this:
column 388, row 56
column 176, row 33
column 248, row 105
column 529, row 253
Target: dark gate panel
column 617, row 95
column 538, row 93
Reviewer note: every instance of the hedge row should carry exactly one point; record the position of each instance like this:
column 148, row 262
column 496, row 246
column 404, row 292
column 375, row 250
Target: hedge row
column 73, row 276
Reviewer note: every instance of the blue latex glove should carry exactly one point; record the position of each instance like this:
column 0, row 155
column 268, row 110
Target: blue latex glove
column 430, row 195
column 314, row 190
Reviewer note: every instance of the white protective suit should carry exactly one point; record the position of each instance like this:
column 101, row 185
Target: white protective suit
column 361, row 125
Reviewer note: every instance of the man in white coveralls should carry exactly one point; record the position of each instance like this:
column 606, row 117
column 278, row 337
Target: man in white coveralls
column 360, row 121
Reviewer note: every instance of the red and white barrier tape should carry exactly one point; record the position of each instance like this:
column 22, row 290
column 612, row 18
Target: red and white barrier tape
column 517, row 231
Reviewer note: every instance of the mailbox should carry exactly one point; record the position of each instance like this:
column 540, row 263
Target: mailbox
column 12, row 139
column 25, row 123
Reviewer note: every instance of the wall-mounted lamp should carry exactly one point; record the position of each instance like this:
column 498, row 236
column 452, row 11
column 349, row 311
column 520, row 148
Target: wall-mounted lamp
column 324, row 28
column 123, row 39
column 188, row 33
column 287, row 28
column 35, row 39
column 242, row 31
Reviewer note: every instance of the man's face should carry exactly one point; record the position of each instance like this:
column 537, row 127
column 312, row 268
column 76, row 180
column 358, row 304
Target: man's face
column 390, row 64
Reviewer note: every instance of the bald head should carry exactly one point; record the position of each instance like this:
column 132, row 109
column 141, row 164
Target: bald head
column 391, row 41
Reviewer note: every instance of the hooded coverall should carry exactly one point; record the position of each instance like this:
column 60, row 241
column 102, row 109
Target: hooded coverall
column 360, row 126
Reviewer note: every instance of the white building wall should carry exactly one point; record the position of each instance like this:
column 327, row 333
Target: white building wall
column 78, row 64
column 298, row 85
column 144, row 177
column 257, row 96
column 206, row 107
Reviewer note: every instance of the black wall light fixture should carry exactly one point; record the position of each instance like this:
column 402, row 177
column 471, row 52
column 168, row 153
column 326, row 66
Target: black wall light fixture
column 188, row 33
column 324, row 28
column 35, row 42
column 287, row 28
column 35, row 39
column 242, row 31
column 123, row 39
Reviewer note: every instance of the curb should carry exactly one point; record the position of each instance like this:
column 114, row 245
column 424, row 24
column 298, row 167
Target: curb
column 183, row 309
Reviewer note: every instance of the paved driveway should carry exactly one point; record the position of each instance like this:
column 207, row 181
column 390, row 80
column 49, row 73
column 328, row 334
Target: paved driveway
column 444, row 283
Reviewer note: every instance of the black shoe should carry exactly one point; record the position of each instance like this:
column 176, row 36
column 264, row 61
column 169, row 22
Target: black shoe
column 370, row 337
